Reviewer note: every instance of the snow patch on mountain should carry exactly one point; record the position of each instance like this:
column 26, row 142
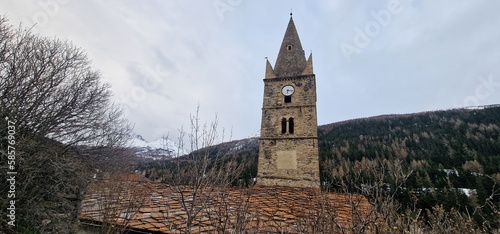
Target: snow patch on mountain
column 160, row 149
column 244, row 143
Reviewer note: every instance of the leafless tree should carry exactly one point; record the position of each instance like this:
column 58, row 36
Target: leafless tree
column 117, row 198
column 49, row 87
column 202, row 177
column 380, row 181
column 58, row 104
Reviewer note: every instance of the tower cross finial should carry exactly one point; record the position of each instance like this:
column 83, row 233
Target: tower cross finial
column 291, row 13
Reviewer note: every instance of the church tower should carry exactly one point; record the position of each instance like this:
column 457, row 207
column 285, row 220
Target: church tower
column 288, row 146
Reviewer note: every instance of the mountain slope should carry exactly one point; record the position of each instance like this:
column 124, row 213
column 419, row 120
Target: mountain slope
column 442, row 138
column 452, row 157
column 160, row 149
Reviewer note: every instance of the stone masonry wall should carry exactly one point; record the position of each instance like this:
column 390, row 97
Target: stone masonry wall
column 306, row 172
column 289, row 159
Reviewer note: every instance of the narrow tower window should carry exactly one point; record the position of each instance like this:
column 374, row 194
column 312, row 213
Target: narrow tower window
column 289, row 47
column 288, row 99
column 283, row 126
column 290, row 125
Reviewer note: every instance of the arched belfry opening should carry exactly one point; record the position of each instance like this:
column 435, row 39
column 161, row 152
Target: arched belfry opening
column 290, row 125
column 287, row 126
column 283, row 126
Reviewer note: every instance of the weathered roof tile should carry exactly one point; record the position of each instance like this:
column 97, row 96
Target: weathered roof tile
column 273, row 209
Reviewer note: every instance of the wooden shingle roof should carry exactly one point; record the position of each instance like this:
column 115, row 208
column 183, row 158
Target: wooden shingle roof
column 160, row 208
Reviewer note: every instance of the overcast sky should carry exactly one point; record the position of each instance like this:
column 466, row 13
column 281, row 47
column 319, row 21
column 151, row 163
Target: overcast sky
column 163, row 58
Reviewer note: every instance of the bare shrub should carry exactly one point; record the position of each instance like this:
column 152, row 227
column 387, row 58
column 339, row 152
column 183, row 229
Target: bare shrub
column 202, row 178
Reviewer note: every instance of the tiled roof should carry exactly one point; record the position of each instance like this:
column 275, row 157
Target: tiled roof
column 159, row 208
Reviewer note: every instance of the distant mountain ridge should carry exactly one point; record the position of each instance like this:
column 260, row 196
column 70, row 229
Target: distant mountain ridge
column 409, row 114
column 429, row 145
column 432, row 123
column 447, row 137
column 160, row 149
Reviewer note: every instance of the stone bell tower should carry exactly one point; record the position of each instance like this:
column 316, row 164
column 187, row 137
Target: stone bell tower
column 288, row 146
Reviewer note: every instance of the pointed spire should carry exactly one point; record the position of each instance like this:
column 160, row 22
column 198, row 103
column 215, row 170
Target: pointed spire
column 291, row 59
column 309, row 66
column 269, row 70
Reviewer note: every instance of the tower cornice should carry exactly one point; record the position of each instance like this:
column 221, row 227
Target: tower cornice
column 288, row 106
column 288, row 138
column 290, row 78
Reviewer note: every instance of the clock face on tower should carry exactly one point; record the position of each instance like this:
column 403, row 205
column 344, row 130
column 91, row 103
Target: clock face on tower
column 287, row 90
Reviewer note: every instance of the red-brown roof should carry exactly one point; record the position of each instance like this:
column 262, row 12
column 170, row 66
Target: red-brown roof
column 157, row 207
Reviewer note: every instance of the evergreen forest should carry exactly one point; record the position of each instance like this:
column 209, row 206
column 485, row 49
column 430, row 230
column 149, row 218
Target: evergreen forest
column 444, row 161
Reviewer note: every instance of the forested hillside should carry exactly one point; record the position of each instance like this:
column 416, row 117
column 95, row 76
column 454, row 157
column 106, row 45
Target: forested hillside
column 465, row 139
column 448, row 157
column 448, row 160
